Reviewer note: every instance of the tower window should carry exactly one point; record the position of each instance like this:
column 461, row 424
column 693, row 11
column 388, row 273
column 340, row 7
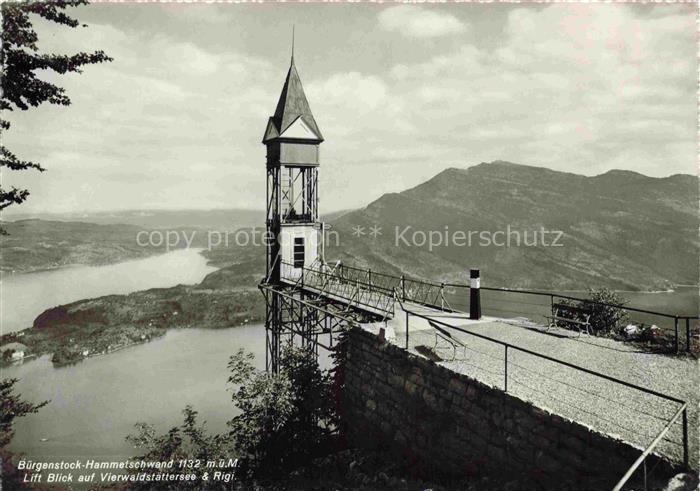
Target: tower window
column 298, row 252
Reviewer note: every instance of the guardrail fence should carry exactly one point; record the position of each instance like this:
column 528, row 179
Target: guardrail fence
column 653, row 420
column 657, row 419
column 681, row 331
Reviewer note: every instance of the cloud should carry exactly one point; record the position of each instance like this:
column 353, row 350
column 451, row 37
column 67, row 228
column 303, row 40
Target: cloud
column 349, row 91
column 419, row 22
column 573, row 87
column 576, row 87
column 165, row 110
column 352, row 106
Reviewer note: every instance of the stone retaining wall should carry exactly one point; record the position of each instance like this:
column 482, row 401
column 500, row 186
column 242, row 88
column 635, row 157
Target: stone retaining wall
column 449, row 425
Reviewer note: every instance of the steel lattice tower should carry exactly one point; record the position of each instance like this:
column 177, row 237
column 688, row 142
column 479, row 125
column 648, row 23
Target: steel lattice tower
column 294, row 232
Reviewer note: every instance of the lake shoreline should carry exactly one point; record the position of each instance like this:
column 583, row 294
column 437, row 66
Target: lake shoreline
column 95, row 404
column 5, row 273
column 126, row 346
column 71, row 332
column 86, row 328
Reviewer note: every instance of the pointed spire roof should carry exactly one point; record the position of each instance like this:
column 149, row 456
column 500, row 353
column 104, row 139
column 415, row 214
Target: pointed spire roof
column 291, row 106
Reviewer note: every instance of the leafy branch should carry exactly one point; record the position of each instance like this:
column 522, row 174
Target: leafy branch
column 21, row 87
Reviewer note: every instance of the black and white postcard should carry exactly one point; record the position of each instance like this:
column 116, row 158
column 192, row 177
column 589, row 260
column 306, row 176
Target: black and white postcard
column 349, row 246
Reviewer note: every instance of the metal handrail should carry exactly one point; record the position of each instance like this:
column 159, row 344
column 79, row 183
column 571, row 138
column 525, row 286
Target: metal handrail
column 508, row 346
column 676, row 318
column 681, row 411
column 351, row 292
column 421, row 295
column 568, row 297
column 360, row 270
column 549, row 358
column 527, row 292
column 368, row 274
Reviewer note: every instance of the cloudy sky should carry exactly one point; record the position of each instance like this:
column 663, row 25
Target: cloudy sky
column 400, row 92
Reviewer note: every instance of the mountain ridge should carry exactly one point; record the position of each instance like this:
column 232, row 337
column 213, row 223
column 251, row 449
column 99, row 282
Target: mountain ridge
column 622, row 229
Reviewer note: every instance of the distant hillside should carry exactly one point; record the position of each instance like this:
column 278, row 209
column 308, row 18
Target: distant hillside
column 620, row 229
column 229, row 219
column 34, row 245
column 220, row 219
column 38, row 244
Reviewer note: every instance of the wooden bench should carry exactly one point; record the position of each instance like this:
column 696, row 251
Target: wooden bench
column 444, row 334
column 573, row 316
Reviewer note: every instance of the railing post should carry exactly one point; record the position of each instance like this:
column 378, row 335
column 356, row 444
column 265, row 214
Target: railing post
column 505, row 371
column 369, row 277
column 403, row 288
column 474, row 294
column 687, row 334
column 551, row 304
column 685, row 437
column 442, row 296
column 675, row 323
column 407, row 314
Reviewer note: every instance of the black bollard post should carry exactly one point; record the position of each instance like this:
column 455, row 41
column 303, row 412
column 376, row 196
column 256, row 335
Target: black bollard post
column 474, row 294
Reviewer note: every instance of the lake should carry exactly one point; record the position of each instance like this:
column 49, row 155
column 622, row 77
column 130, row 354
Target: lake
column 683, row 301
column 96, row 403
column 25, row 296
column 150, row 382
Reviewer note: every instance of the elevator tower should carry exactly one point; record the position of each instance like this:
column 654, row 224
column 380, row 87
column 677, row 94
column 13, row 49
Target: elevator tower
column 294, row 233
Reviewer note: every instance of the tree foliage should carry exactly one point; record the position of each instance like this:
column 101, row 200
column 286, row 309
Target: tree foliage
column 188, row 443
column 285, row 419
column 21, row 60
column 282, row 421
column 606, row 309
column 11, row 407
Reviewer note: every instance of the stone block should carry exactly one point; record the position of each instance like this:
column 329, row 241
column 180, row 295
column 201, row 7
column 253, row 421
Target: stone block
column 541, row 442
column 478, row 413
column 400, row 438
column 457, row 386
column 551, row 433
column 430, row 399
column 386, row 427
column 497, row 454
column 508, row 425
column 539, row 414
column 410, row 387
column 416, row 379
column 550, row 464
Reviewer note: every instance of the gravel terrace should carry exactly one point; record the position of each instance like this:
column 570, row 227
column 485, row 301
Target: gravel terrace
column 608, row 407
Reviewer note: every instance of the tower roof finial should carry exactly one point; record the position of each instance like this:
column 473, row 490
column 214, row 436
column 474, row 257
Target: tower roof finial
column 291, row 106
column 293, row 27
